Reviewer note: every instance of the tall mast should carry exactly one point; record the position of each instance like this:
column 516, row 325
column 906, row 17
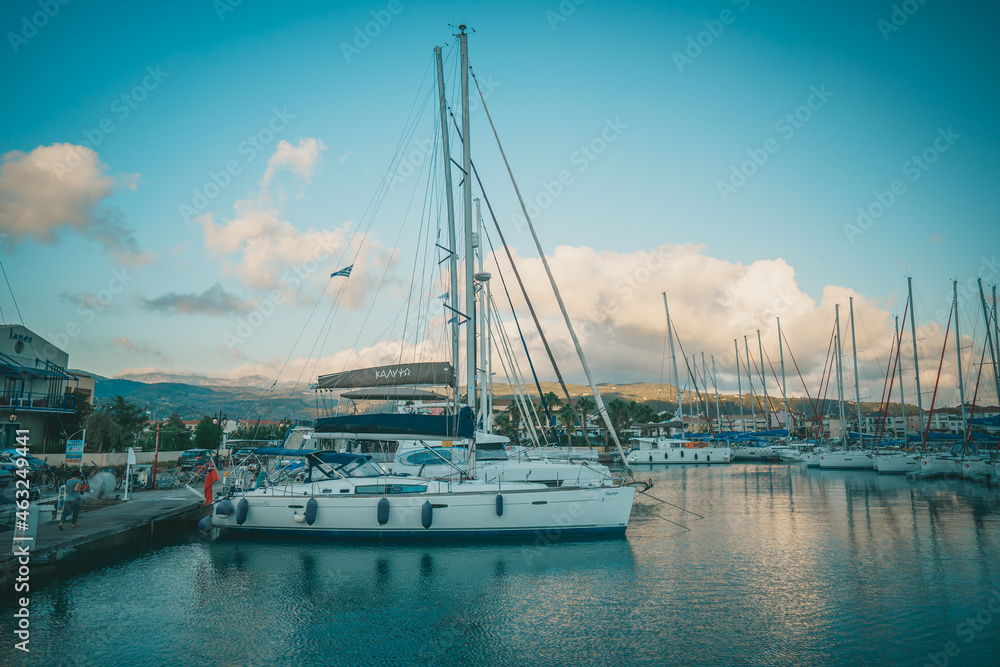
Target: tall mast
column 763, row 384
column 989, row 337
column 753, row 413
column 452, row 244
column 470, row 290
column 958, row 352
column 840, row 376
column 673, row 357
column 739, row 384
column 857, row 389
column 704, row 378
column 899, row 357
column 715, row 383
column 483, row 278
column 916, row 363
column 781, row 353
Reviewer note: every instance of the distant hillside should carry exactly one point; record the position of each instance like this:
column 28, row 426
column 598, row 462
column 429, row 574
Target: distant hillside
column 245, row 399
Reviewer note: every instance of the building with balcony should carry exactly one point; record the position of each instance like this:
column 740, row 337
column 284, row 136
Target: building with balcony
column 36, row 389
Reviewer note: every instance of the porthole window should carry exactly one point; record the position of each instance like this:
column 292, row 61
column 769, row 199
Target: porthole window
column 18, row 346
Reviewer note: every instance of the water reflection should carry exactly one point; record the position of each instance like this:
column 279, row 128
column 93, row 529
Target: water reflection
column 748, row 564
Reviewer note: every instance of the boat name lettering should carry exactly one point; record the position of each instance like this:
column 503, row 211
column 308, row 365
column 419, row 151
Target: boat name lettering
column 392, row 373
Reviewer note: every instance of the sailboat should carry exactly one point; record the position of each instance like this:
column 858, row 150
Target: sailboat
column 347, row 495
column 847, row 458
column 674, row 451
column 898, row 463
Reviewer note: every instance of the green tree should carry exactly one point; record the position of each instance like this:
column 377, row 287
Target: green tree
column 585, row 405
column 207, row 434
column 174, row 436
column 566, row 418
column 129, row 416
column 105, row 433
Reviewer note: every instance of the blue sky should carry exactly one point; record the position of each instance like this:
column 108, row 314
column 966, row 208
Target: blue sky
column 694, row 90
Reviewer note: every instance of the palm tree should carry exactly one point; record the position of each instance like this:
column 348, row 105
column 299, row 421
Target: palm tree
column 586, row 405
column 566, row 418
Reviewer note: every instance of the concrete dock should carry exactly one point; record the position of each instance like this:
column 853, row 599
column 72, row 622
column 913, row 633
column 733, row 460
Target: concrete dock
column 103, row 531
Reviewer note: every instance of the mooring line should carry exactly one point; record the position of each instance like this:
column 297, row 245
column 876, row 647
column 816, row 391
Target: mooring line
column 683, row 509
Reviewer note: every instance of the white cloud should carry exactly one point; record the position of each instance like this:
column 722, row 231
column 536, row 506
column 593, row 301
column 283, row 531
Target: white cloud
column 267, row 252
column 300, row 160
column 343, row 158
column 59, row 187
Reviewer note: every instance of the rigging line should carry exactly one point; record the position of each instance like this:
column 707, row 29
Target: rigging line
column 519, row 400
column 663, row 518
column 801, row 379
column 944, row 347
column 515, row 367
column 378, row 289
column 12, row 297
column 413, row 273
column 975, row 396
column 602, row 409
column 897, row 342
column 771, row 399
column 524, row 293
column 683, row 509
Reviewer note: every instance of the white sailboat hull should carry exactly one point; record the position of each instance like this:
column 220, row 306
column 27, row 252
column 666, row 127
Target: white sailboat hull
column 896, row 464
column 681, row 455
column 846, row 461
column 940, row 466
column 977, row 469
column 472, row 513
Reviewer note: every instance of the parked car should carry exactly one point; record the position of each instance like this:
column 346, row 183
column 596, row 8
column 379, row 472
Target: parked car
column 194, row 457
column 9, row 460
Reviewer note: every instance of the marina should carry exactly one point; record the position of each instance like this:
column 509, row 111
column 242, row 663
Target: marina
column 324, row 342
column 788, row 565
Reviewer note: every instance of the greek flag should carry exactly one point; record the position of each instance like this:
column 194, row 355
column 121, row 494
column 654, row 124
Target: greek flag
column 343, row 272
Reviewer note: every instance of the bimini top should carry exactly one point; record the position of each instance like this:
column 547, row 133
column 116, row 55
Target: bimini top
column 395, row 426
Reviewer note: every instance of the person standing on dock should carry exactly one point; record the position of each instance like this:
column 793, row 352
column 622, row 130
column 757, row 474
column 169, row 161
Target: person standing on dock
column 72, row 502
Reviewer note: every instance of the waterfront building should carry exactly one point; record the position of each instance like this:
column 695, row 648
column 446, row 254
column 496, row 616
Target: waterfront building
column 36, row 389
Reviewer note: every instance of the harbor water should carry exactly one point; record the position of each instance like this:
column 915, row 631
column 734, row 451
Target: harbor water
column 765, row 565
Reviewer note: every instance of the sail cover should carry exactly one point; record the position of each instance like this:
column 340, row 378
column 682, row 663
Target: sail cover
column 433, row 373
column 446, row 426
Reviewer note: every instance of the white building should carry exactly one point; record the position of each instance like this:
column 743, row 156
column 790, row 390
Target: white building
column 35, row 387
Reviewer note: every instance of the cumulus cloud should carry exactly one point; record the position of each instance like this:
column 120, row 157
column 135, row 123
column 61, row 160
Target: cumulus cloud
column 64, row 186
column 300, row 160
column 213, row 301
column 268, row 252
column 615, row 302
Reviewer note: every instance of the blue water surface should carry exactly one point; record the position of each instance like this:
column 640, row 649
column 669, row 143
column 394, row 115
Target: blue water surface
column 764, row 565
